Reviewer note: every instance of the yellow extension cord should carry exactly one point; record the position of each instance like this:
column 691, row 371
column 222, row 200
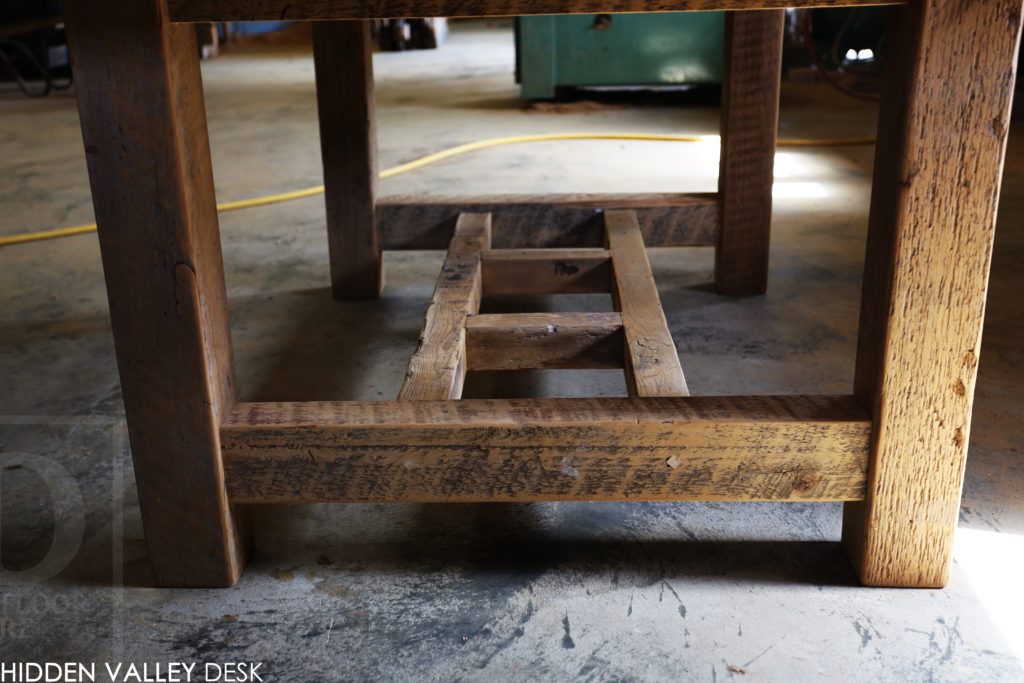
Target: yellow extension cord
column 438, row 156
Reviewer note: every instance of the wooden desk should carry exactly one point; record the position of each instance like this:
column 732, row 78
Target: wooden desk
column 894, row 450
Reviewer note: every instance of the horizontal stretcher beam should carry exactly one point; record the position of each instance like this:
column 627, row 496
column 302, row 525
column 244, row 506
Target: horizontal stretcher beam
column 548, row 221
column 304, row 10
column 546, row 271
column 806, row 448
column 544, row 341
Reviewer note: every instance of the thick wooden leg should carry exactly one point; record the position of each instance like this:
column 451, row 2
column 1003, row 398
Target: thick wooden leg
column 348, row 144
column 140, row 100
column 750, row 115
column 942, row 136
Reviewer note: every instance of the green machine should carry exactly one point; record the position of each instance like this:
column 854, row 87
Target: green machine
column 672, row 48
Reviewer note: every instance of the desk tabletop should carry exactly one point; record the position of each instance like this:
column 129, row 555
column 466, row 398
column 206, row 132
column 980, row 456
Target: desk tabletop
column 277, row 10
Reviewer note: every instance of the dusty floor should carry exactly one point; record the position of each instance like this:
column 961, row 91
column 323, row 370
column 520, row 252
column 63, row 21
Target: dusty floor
column 482, row 592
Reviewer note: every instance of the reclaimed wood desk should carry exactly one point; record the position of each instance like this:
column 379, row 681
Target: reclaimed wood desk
column 894, row 450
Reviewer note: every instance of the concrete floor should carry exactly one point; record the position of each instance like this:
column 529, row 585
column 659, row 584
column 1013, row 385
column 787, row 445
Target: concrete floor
column 689, row 591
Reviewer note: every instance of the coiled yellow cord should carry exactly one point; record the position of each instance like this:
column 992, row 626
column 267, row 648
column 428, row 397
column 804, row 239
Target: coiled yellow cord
column 438, row 156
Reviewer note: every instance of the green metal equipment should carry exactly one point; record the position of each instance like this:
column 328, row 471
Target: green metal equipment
column 673, row 48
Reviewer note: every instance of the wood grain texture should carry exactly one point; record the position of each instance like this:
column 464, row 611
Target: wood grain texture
column 253, row 10
column 546, row 271
column 140, row 101
column 942, row 137
column 750, row 115
column 438, row 368
column 544, row 341
column 651, row 360
column 342, row 55
column 706, row 448
column 546, row 221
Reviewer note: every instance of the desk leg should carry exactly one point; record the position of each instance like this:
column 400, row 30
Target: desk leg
column 750, row 117
column 140, row 101
column 348, row 144
column 942, row 136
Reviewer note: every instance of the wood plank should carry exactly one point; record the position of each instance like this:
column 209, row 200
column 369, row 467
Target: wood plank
column 651, row 360
column 544, row 341
column 438, row 368
column 279, row 10
column 546, row 271
column 140, row 101
column 750, row 115
column 701, row 448
column 937, row 174
column 548, row 221
column 342, row 55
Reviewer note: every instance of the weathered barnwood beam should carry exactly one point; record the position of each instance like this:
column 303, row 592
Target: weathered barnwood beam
column 651, row 360
column 544, row 341
column 694, row 448
column 343, row 61
column 300, row 10
column 546, row 271
column 548, row 221
column 438, row 368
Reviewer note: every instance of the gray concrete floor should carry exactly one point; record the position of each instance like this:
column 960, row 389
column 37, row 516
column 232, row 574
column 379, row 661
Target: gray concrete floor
column 701, row 591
